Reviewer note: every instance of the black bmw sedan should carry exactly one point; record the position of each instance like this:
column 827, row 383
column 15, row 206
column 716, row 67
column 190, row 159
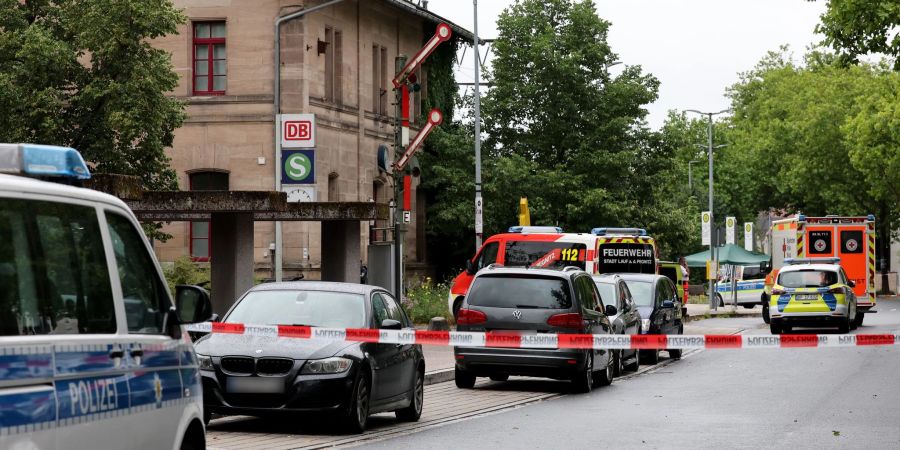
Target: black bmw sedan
column 259, row 375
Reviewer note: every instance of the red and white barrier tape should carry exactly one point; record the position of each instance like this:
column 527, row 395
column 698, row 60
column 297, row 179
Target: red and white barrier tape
column 548, row 341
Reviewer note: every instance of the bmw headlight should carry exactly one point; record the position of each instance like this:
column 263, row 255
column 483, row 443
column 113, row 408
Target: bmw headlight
column 205, row 362
column 327, row 365
column 645, row 325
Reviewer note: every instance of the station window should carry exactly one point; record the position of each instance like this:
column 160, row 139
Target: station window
column 210, row 62
column 200, row 231
column 334, row 56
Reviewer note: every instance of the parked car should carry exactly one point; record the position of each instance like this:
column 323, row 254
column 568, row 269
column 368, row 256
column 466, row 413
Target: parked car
column 256, row 375
column 627, row 320
column 659, row 306
column 534, row 301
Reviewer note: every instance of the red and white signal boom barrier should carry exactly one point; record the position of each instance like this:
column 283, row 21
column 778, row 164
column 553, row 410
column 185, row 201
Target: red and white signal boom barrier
column 548, row 341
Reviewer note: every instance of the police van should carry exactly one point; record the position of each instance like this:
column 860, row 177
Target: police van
column 92, row 353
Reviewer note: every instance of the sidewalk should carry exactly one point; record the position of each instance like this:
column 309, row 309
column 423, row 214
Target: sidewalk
column 699, row 312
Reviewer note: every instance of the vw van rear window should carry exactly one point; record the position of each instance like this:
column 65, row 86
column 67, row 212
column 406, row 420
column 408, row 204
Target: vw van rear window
column 520, row 292
column 807, row 278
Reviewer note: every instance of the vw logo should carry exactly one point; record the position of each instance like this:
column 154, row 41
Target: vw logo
column 517, row 314
column 258, row 351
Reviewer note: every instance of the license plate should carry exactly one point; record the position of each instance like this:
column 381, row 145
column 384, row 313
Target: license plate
column 255, row 385
column 807, row 297
column 512, row 332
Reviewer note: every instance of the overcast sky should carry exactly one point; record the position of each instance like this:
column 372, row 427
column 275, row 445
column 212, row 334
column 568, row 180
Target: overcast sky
column 696, row 48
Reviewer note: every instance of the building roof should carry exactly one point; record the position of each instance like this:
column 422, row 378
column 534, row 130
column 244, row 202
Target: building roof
column 413, row 8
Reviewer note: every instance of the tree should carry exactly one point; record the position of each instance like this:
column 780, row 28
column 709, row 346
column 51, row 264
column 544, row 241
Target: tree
column 857, row 28
column 83, row 74
column 818, row 138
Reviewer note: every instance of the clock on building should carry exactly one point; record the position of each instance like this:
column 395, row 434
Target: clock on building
column 297, row 194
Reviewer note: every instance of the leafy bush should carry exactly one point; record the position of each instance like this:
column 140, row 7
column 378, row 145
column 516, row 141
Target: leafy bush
column 185, row 271
column 427, row 300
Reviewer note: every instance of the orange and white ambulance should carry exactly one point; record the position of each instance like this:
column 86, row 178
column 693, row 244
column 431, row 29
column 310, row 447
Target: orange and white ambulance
column 852, row 239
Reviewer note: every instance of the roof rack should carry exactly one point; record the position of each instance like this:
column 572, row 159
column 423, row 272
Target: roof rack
column 492, row 266
column 535, row 229
column 604, row 231
column 797, row 261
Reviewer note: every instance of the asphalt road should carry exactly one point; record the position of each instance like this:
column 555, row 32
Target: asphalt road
column 778, row 398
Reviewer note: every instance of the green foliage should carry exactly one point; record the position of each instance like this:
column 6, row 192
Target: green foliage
column 83, row 74
column 185, row 271
column 856, row 28
column 428, row 300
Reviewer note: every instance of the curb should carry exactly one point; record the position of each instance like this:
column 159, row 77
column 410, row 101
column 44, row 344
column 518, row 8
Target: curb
column 696, row 318
column 439, row 376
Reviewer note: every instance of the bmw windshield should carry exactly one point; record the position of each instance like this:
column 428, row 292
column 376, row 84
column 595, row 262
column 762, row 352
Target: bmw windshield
column 312, row 308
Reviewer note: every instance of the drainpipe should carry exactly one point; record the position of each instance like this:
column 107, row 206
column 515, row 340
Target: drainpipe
column 279, row 255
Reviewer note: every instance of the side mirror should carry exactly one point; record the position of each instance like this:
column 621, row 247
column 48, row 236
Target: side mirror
column 611, row 310
column 214, row 318
column 668, row 304
column 851, row 283
column 470, row 267
column 765, row 267
column 192, row 304
column 391, row 324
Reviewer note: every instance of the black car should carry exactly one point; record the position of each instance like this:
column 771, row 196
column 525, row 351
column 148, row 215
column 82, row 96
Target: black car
column 627, row 321
column 659, row 306
column 532, row 302
column 257, row 375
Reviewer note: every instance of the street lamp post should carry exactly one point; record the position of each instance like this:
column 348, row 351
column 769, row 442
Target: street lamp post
column 713, row 305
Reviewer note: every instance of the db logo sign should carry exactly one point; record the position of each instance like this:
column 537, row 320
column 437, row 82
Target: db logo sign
column 298, row 130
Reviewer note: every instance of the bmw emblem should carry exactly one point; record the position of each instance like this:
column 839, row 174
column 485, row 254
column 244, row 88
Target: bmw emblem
column 517, row 314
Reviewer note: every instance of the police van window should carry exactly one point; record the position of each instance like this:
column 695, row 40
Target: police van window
column 53, row 273
column 142, row 290
column 487, row 256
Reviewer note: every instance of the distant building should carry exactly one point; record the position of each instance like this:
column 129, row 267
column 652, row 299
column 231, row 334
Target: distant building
column 336, row 63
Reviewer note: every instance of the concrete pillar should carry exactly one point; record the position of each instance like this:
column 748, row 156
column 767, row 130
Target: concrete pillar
column 340, row 251
column 231, row 258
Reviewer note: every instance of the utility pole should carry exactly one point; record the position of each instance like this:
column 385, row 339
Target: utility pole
column 479, row 203
column 713, row 241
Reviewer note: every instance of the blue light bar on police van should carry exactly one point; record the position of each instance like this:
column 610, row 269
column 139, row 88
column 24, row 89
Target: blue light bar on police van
column 43, row 161
column 604, row 231
column 534, row 229
column 796, row 261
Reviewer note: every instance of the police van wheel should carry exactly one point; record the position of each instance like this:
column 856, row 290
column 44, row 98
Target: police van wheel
column 859, row 318
column 765, row 311
column 749, row 305
column 844, row 326
column 774, row 327
column 721, row 302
